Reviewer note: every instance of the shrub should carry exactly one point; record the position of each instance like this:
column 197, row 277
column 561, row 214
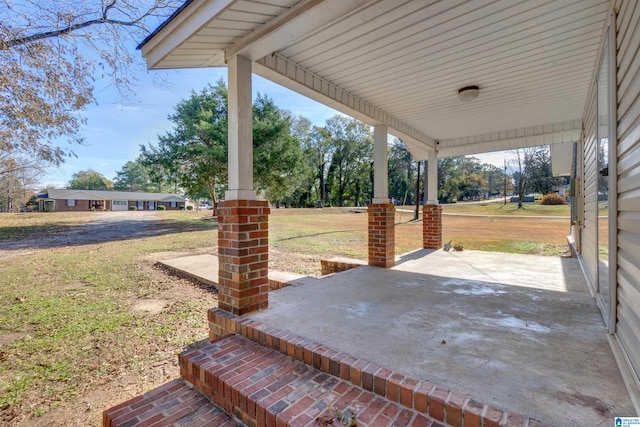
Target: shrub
column 161, row 207
column 189, row 208
column 552, row 199
column 181, row 208
column 133, row 208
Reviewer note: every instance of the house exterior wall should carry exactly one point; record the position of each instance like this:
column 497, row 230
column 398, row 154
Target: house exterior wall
column 623, row 313
column 80, row 205
column 589, row 186
column 627, row 268
column 61, row 205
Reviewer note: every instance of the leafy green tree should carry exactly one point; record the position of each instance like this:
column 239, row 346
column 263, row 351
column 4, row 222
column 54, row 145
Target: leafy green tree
column 135, row 176
column 538, row 170
column 351, row 156
column 401, row 170
column 89, row 179
column 195, row 151
column 451, row 177
column 495, row 179
column 277, row 162
column 305, row 190
column 316, row 149
column 472, row 180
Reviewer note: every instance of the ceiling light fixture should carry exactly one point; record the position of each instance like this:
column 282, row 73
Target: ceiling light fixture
column 468, row 93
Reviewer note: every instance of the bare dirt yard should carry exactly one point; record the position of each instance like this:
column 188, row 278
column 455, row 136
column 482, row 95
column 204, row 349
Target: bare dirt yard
column 87, row 320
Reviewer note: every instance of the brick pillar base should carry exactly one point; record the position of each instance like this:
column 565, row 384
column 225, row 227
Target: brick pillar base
column 243, row 250
column 432, row 226
column 382, row 245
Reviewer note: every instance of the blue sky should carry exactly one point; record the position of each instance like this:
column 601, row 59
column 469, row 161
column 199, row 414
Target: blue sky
column 115, row 131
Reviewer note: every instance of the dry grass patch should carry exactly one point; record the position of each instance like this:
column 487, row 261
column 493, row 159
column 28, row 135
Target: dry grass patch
column 86, row 324
column 80, row 340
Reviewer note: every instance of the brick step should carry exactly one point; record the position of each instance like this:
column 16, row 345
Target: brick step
column 175, row 403
column 263, row 387
column 439, row 404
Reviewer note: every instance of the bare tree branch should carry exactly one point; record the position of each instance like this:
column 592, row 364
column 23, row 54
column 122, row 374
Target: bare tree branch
column 51, row 56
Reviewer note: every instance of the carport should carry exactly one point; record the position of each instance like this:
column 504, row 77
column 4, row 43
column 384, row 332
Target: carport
column 449, row 78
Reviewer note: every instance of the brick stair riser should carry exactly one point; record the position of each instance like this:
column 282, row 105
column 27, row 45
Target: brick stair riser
column 440, row 404
column 263, row 387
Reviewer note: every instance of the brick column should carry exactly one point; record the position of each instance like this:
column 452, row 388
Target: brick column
column 243, row 249
column 382, row 245
column 432, row 226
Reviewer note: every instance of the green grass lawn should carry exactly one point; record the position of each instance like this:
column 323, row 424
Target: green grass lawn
column 70, row 308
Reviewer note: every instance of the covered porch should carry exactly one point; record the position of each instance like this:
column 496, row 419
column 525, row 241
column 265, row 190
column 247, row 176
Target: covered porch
column 448, row 78
column 520, row 333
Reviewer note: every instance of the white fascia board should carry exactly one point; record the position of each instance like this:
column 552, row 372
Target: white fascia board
column 305, row 17
column 287, row 73
column 532, row 136
column 195, row 16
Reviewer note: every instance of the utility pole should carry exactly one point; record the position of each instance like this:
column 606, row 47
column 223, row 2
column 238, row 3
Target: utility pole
column 505, row 182
column 415, row 214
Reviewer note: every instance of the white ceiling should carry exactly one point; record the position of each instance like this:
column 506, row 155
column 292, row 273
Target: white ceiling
column 402, row 61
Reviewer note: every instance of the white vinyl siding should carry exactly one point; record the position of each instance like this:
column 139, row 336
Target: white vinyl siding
column 589, row 249
column 628, row 186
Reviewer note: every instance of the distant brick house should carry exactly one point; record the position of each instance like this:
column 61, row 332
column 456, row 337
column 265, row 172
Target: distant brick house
column 85, row 200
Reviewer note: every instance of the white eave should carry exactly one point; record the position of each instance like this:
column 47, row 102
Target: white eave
column 400, row 63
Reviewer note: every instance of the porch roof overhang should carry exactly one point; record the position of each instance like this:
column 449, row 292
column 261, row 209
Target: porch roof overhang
column 401, row 63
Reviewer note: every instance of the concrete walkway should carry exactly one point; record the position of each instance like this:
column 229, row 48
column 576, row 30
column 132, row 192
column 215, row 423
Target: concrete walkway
column 202, row 268
column 518, row 332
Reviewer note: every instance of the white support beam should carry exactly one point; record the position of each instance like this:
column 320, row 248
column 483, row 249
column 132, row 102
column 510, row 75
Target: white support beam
column 240, row 130
column 292, row 25
column 554, row 133
column 287, row 73
column 432, row 180
column 380, row 165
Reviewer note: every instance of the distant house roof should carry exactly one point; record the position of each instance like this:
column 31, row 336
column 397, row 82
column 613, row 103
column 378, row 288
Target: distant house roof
column 53, row 193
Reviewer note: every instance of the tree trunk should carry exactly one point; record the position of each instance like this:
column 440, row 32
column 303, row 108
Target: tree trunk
column 214, row 196
column 322, row 184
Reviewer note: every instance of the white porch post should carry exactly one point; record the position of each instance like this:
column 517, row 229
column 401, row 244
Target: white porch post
column 240, row 130
column 243, row 221
column 432, row 180
column 432, row 211
column 381, row 213
column 380, row 166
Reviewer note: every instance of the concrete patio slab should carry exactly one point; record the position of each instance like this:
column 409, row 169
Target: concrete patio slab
column 518, row 332
column 202, row 268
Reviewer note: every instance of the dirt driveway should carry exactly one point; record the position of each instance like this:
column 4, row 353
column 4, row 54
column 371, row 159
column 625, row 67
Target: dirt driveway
column 101, row 227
